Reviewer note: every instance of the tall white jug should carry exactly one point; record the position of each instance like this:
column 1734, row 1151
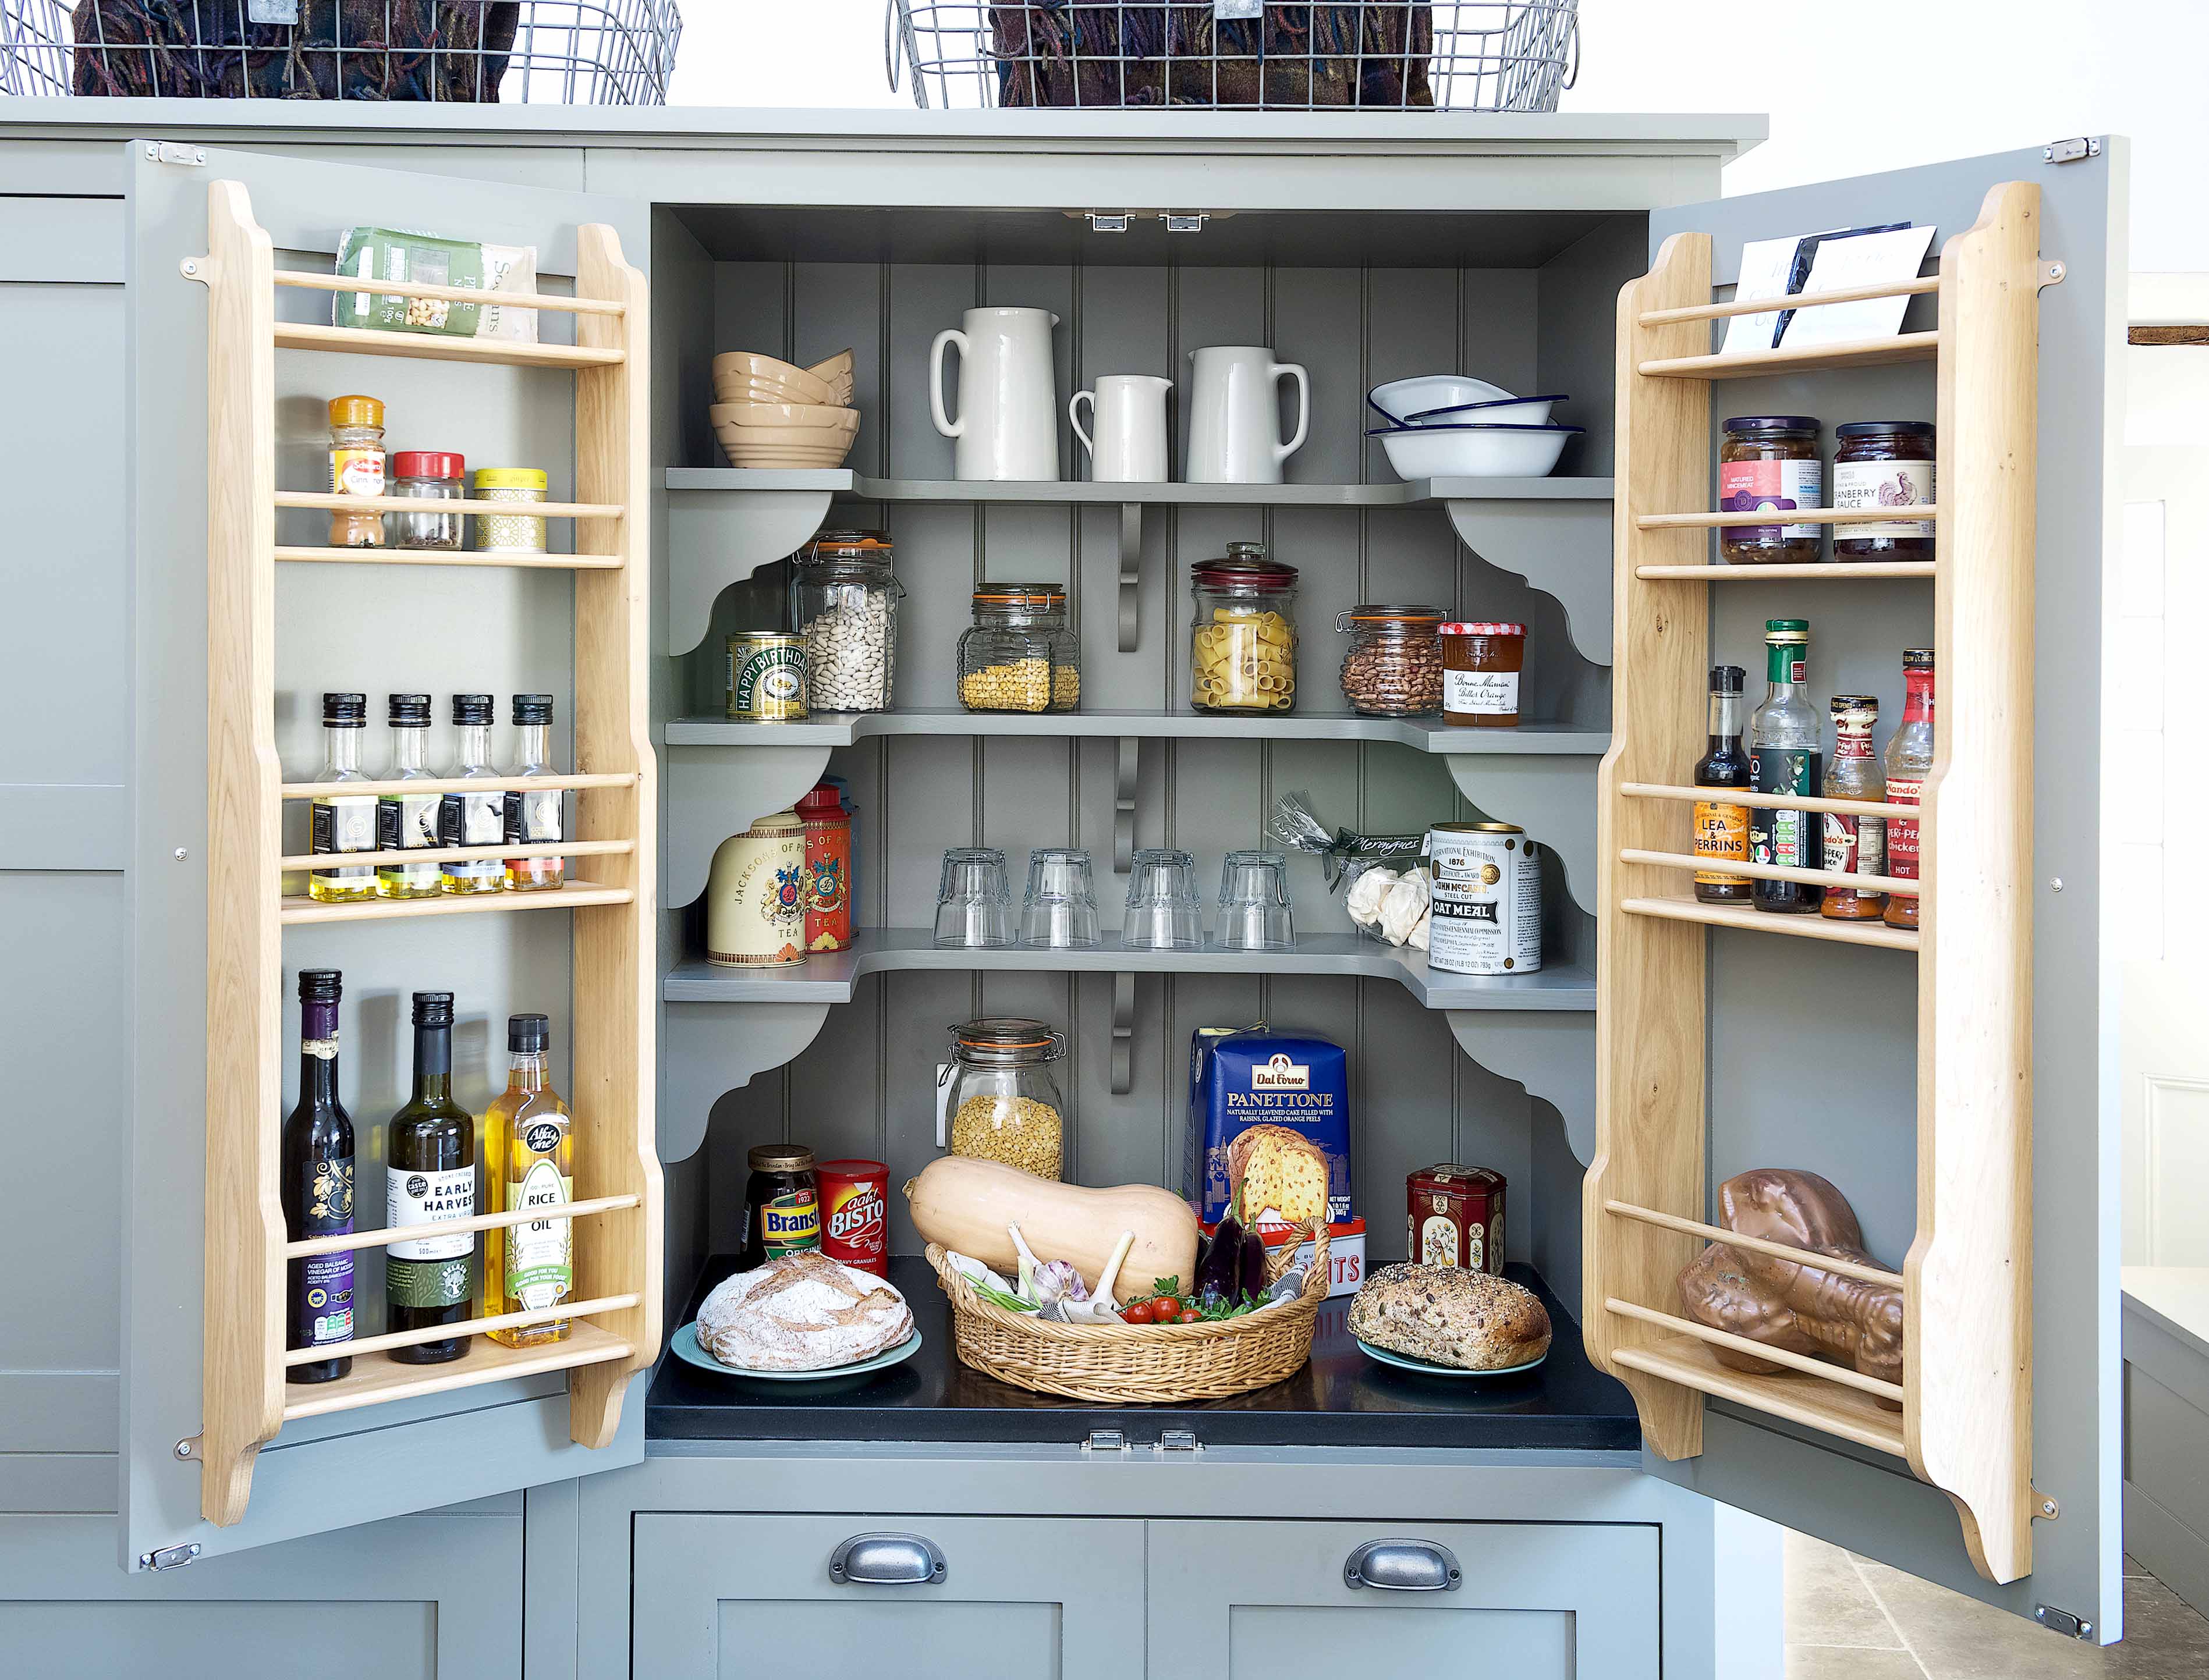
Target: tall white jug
column 1234, row 419
column 1007, row 423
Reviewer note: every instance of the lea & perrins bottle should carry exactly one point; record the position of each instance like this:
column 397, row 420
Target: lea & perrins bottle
column 429, row 1178
column 782, row 1203
column 1785, row 757
column 317, row 1189
column 1722, row 830
column 1909, row 762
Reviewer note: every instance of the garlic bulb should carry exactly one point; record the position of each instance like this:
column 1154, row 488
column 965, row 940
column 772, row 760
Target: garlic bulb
column 1367, row 894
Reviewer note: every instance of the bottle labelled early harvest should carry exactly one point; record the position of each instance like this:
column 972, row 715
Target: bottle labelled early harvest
column 1722, row 830
column 1854, row 845
column 1785, row 757
column 529, row 1147
column 316, row 1188
column 431, row 1179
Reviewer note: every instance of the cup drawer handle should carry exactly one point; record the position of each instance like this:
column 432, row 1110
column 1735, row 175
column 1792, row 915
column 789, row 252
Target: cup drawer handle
column 1403, row 1566
column 888, row 1560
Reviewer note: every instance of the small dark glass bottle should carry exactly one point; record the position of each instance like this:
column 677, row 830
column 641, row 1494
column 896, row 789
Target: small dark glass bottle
column 317, row 1186
column 1722, row 830
column 430, row 1178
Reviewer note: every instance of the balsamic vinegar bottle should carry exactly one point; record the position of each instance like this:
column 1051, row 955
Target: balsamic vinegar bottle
column 316, row 1187
column 430, row 1178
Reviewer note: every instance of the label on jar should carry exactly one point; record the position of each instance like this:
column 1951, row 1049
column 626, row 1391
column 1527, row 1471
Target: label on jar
column 408, row 822
column 430, row 1198
column 357, row 471
column 472, row 819
column 1856, row 845
column 1770, row 487
column 1491, row 692
column 1788, row 838
column 1901, row 835
column 1882, row 484
column 1721, row 836
column 767, row 680
column 342, row 826
column 789, row 1222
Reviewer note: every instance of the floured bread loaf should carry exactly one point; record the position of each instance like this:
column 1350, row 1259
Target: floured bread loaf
column 802, row 1311
column 1451, row 1316
column 1281, row 1171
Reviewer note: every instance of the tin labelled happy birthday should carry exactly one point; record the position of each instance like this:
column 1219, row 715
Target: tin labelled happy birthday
column 1487, row 917
column 766, row 676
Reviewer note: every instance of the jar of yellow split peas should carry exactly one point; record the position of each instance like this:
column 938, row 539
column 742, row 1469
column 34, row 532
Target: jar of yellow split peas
column 1242, row 636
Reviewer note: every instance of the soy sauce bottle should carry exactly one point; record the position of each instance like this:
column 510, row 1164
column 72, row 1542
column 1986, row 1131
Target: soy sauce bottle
column 1786, row 756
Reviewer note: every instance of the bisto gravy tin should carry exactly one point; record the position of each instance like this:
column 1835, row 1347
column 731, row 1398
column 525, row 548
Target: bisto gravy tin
column 855, row 1213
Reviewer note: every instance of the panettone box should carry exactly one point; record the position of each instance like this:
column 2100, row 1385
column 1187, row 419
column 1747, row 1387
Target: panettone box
column 1254, row 1077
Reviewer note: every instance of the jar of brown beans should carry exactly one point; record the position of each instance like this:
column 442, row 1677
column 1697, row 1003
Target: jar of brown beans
column 1393, row 667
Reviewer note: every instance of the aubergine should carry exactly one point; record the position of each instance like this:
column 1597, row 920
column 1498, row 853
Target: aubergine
column 1250, row 1279
column 1219, row 1261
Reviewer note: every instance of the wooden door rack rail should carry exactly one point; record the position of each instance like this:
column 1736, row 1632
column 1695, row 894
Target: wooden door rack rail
column 451, row 1227
column 1966, row 1420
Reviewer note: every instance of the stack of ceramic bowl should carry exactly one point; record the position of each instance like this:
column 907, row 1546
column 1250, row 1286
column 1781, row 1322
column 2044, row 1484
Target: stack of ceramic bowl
column 773, row 414
column 1446, row 426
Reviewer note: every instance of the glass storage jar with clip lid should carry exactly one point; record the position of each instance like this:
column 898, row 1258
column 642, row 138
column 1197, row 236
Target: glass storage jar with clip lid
column 844, row 598
column 1019, row 655
column 996, row 1098
column 1242, row 633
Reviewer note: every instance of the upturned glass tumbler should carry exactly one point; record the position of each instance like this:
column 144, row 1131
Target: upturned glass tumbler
column 1060, row 910
column 1164, row 911
column 974, row 905
column 1253, row 902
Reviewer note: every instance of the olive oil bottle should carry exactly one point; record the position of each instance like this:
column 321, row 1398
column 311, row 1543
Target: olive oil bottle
column 430, row 1178
column 529, row 1154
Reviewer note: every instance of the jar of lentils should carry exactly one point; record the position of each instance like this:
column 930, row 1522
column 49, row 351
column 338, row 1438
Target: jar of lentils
column 1394, row 666
column 845, row 599
column 1019, row 655
column 515, row 533
column 996, row 1099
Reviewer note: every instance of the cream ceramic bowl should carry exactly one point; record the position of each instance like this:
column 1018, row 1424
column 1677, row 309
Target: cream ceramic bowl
column 736, row 369
column 784, row 416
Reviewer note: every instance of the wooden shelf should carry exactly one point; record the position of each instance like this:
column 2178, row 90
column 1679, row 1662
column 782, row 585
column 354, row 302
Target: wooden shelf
column 299, row 861
column 1800, row 300
column 1833, row 572
column 457, row 784
column 1845, row 1411
column 450, row 294
column 450, row 1228
column 376, row 1377
column 296, row 911
column 330, row 501
column 1422, row 734
column 1756, row 363
column 1776, row 871
column 1811, row 926
column 440, row 347
column 1751, row 516
column 1843, row 807
column 388, row 556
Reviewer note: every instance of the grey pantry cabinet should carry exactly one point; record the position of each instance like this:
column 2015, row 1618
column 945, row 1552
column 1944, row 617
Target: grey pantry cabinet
column 464, row 1532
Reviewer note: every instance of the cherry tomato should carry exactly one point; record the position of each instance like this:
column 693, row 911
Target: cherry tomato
column 1165, row 1308
column 1139, row 1312
column 1189, row 1315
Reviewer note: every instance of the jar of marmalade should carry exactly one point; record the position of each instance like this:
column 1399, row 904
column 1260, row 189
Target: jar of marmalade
column 782, row 1203
column 1481, row 664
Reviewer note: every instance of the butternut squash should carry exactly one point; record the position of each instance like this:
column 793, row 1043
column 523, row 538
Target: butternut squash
column 963, row 1203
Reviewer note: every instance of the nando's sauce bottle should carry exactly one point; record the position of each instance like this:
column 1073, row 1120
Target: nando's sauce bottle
column 1908, row 761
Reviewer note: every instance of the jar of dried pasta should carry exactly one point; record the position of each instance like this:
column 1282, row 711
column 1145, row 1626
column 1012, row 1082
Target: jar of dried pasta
column 1242, row 633
column 515, row 533
column 996, row 1099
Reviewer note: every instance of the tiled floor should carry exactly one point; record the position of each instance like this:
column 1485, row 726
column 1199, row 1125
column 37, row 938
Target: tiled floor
column 1848, row 1618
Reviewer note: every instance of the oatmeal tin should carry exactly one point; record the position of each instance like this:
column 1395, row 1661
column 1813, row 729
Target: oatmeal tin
column 1487, row 914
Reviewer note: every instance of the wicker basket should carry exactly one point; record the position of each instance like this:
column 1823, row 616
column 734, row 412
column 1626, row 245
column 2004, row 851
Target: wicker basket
column 1135, row 1364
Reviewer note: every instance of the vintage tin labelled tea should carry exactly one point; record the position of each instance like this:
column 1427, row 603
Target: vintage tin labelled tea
column 755, row 896
column 1455, row 1217
column 766, row 676
column 1487, row 916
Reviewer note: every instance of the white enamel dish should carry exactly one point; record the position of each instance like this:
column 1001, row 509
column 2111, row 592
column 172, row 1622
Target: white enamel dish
column 684, row 1344
column 1428, row 1368
column 1510, row 411
column 1400, row 398
column 1484, row 451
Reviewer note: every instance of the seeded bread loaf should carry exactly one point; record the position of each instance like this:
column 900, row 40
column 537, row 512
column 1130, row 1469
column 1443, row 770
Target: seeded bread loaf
column 1280, row 1170
column 1451, row 1316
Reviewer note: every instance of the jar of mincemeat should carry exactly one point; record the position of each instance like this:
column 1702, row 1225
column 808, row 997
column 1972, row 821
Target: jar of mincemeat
column 1770, row 462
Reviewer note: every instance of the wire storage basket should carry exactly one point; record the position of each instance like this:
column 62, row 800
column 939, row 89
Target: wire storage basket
column 1270, row 55
column 571, row 52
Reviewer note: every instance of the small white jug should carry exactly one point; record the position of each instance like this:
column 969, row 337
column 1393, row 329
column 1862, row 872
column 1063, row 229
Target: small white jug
column 1234, row 419
column 1007, row 423
column 1129, row 413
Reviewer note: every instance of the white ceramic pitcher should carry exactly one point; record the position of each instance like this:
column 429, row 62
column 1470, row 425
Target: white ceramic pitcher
column 1234, row 418
column 1007, row 423
column 1129, row 413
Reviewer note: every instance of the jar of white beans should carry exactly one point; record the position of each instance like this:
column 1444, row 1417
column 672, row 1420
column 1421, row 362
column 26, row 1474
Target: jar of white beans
column 843, row 600
column 1243, row 635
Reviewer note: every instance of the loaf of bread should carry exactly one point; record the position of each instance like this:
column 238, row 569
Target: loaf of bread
column 1283, row 1174
column 1450, row 1315
column 801, row 1311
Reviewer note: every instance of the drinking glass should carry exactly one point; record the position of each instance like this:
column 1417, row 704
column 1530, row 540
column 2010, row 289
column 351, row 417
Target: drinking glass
column 1163, row 912
column 1060, row 911
column 974, row 905
column 1253, row 902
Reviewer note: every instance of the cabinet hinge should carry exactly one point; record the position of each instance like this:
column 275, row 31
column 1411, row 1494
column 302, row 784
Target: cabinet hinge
column 2071, row 150
column 2062, row 1622
column 169, row 152
column 1186, row 221
column 169, row 1556
column 1105, row 1441
column 1179, row 1441
column 1109, row 221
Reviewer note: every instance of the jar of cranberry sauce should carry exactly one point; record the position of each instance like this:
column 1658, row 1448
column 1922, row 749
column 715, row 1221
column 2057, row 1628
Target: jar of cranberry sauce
column 1884, row 463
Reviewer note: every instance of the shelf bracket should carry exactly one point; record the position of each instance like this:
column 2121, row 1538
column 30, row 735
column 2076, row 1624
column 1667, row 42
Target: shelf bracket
column 1123, row 1033
column 714, row 792
column 1131, row 573
column 716, row 538
column 1550, row 796
column 1552, row 1055
column 1126, row 758
column 1562, row 548
column 710, row 1050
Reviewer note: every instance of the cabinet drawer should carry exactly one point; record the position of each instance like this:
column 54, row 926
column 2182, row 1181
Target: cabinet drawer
column 1016, row 1598
column 1532, row 1601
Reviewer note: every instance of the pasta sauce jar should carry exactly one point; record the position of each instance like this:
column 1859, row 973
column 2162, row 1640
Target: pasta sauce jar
column 1481, row 664
column 1884, row 463
column 1769, row 463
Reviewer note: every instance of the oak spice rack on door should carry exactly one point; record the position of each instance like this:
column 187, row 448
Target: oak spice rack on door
column 1962, row 1416
column 618, row 1214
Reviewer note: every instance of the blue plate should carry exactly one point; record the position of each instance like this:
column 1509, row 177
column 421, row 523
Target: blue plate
column 1428, row 1368
column 684, row 1344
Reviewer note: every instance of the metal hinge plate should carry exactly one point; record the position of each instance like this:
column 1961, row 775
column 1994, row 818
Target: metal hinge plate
column 1105, row 1441
column 169, row 152
column 2062, row 1622
column 169, row 1556
column 2071, row 150
column 1179, row 1441
column 1186, row 221
column 1109, row 221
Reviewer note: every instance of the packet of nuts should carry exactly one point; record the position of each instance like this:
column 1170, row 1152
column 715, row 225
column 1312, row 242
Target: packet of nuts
column 369, row 253
column 1382, row 877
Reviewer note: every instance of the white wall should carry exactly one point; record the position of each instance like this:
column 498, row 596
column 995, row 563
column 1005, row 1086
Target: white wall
column 1850, row 85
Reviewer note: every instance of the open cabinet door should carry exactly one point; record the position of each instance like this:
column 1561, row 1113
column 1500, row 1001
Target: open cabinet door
column 1888, row 1062
column 230, row 372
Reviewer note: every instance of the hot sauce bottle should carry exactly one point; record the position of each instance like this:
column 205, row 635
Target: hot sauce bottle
column 1908, row 761
column 1854, row 845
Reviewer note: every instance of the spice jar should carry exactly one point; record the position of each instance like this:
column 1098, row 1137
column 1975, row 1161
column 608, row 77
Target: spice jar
column 996, row 1098
column 1019, row 655
column 428, row 475
column 510, row 533
column 782, row 1203
column 1394, row 665
column 356, row 469
column 1884, row 463
column 827, row 867
column 1770, row 462
column 1481, row 664
column 755, row 896
column 845, row 598
column 1242, row 633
